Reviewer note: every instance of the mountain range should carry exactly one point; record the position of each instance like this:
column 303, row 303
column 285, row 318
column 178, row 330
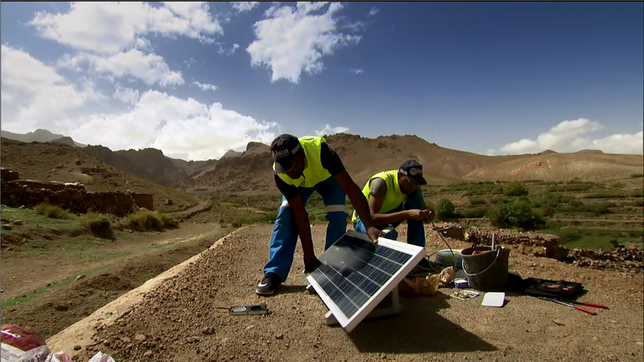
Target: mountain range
column 251, row 169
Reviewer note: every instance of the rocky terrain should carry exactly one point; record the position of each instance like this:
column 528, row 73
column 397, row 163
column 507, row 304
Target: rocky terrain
column 180, row 318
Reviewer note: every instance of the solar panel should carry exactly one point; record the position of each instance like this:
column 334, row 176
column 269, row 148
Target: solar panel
column 356, row 275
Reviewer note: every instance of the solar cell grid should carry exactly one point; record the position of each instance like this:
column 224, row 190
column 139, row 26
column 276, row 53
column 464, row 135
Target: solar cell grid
column 354, row 269
column 356, row 275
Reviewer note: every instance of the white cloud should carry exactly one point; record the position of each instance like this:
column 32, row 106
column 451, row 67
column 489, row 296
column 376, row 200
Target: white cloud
column 243, row 6
column 176, row 126
column 328, row 130
column 373, row 11
column 108, row 28
column 126, row 95
column 356, row 71
column 35, row 95
column 292, row 40
column 149, row 68
column 572, row 136
column 205, row 86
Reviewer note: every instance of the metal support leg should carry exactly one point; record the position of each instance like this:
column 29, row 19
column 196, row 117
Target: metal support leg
column 394, row 308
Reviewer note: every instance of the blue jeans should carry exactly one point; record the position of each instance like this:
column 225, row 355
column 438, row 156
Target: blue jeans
column 284, row 237
column 415, row 229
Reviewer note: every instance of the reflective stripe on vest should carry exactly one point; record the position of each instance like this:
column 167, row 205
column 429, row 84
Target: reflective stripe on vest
column 394, row 196
column 314, row 172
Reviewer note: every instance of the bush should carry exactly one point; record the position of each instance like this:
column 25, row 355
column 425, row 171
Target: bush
column 517, row 213
column 475, row 202
column 51, row 211
column 145, row 220
column 514, row 189
column 168, row 222
column 99, row 225
column 445, row 210
column 475, row 212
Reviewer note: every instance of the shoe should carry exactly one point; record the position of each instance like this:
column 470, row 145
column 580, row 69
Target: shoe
column 269, row 284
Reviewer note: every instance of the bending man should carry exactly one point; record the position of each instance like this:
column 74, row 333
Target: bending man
column 302, row 166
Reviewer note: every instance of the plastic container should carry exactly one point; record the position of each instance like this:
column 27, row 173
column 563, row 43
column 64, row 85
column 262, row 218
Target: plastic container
column 446, row 258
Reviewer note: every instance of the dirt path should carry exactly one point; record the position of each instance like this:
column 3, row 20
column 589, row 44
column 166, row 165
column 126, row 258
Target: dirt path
column 178, row 320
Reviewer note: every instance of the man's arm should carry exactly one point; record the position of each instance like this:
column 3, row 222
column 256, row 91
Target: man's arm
column 331, row 161
column 356, row 197
column 375, row 203
column 301, row 217
column 377, row 195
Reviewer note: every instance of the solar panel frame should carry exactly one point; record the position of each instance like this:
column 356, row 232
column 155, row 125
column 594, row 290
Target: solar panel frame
column 350, row 322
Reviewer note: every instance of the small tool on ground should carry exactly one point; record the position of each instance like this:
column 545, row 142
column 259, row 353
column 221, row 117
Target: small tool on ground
column 246, row 309
column 572, row 305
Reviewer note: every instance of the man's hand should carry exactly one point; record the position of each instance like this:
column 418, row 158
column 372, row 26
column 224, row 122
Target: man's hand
column 310, row 263
column 430, row 216
column 418, row 215
column 374, row 234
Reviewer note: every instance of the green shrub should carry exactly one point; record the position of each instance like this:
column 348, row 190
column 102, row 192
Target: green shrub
column 517, row 213
column 475, row 212
column 606, row 194
column 145, row 220
column 571, row 187
column 99, row 225
column 477, row 201
column 637, row 175
column 168, row 222
column 51, row 211
column 514, row 189
column 445, row 210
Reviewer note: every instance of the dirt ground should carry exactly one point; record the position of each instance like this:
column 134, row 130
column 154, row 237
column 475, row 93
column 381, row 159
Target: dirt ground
column 58, row 291
column 179, row 319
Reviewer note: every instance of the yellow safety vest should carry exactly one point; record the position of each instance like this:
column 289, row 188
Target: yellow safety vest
column 394, row 196
column 314, row 172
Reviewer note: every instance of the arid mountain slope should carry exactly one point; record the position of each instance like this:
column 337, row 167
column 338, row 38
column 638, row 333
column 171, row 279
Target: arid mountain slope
column 365, row 156
column 149, row 164
column 590, row 166
column 251, row 170
column 40, row 135
column 52, row 161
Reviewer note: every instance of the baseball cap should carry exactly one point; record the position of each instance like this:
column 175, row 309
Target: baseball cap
column 284, row 149
column 414, row 172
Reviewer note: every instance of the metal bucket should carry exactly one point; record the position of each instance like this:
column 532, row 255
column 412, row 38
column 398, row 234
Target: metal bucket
column 487, row 271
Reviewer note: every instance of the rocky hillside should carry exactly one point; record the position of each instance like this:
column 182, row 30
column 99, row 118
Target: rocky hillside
column 365, row 156
column 52, row 161
column 149, row 164
column 40, row 135
column 250, row 170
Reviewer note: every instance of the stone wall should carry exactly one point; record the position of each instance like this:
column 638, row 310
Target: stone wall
column 8, row 175
column 144, row 200
column 545, row 245
column 73, row 199
column 536, row 244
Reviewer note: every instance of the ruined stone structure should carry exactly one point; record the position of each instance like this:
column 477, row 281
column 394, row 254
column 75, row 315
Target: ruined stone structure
column 69, row 196
column 546, row 245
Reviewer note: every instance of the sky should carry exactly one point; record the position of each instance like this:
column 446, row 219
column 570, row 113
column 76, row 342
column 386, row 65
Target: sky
column 198, row 79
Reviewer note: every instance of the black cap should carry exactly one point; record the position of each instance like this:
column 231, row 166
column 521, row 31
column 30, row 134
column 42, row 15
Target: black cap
column 414, row 172
column 284, row 149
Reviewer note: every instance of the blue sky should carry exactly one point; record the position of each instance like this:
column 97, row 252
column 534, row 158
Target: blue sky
column 198, row 79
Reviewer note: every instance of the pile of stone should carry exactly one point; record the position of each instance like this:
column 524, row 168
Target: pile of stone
column 531, row 243
column 622, row 259
column 545, row 245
